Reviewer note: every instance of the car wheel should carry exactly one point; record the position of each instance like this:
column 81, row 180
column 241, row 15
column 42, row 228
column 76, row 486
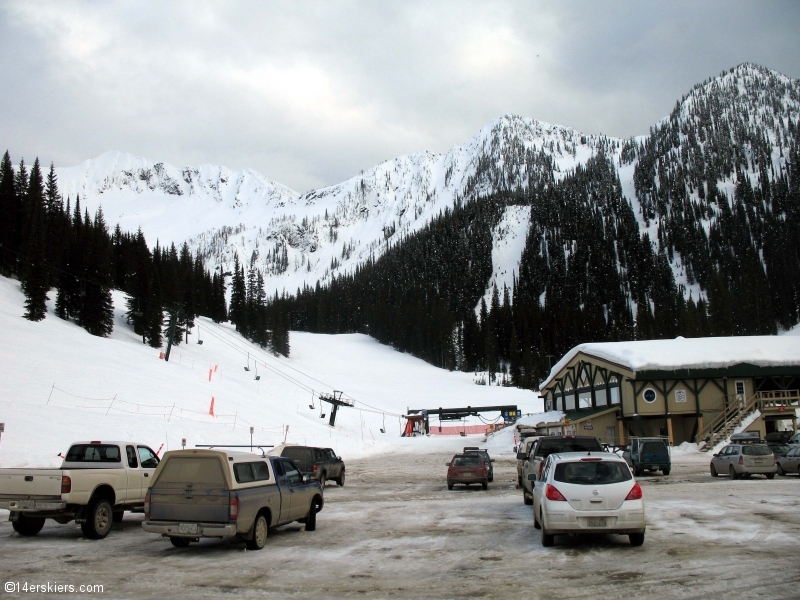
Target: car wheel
column 781, row 472
column 28, row 526
column 491, row 478
column 714, row 471
column 637, row 472
column 340, row 481
column 311, row 519
column 322, row 480
column 527, row 499
column 259, row 533
column 519, row 481
column 98, row 520
column 536, row 522
column 548, row 539
column 485, row 485
column 180, row 542
column 665, row 471
column 637, row 539
column 770, row 475
column 449, row 486
column 117, row 518
column 732, row 472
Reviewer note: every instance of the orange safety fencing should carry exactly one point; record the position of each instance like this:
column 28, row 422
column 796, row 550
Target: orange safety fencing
column 458, row 430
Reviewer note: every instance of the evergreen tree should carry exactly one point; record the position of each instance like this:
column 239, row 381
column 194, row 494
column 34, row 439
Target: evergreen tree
column 34, row 271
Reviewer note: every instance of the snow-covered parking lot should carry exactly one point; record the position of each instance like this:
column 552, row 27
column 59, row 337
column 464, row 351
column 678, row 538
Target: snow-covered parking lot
column 395, row 531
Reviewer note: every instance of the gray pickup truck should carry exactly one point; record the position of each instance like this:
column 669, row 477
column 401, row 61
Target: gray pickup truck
column 218, row 493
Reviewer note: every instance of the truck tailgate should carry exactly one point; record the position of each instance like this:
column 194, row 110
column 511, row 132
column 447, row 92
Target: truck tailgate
column 30, row 482
column 189, row 504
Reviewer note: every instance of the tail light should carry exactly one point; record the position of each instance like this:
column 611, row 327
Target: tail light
column 741, row 459
column 635, row 493
column 66, row 484
column 147, row 505
column 551, row 493
column 314, row 468
column 233, row 512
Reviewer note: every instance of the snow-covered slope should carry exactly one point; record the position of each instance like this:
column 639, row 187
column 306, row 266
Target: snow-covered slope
column 61, row 384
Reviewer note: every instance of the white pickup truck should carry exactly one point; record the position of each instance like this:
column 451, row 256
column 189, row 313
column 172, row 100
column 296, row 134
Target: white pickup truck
column 96, row 483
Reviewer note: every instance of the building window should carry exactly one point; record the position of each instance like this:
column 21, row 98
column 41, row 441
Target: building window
column 570, row 404
column 614, row 391
column 585, row 399
column 601, row 397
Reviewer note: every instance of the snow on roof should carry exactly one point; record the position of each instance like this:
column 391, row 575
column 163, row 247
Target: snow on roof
column 690, row 353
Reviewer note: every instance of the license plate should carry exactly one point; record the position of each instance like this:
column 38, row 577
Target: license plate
column 759, row 461
column 596, row 521
column 190, row 528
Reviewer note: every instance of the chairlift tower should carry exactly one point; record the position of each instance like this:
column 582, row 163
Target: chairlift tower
column 335, row 400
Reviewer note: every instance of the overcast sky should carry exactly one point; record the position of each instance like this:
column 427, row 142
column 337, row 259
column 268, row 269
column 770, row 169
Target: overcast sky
column 311, row 93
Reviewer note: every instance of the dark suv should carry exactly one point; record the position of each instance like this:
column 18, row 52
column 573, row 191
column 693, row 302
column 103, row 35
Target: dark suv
column 648, row 453
column 486, row 458
column 320, row 463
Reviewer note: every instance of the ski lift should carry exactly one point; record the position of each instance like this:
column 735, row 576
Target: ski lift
column 199, row 341
column 311, row 406
column 247, row 368
column 383, row 428
column 257, row 377
column 321, row 414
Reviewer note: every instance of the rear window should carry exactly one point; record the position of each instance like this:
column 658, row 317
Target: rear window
column 192, row 469
column 654, row 448
column 756, row 450
column 467, row 461
column 295, row 453
column 548, row 447
column 93, row 453
column 592, row 473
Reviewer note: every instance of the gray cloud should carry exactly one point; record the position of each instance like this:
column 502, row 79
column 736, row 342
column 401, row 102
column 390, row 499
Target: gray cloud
column 309, row 94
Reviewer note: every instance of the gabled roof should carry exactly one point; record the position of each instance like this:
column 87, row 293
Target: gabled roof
column 690, row 353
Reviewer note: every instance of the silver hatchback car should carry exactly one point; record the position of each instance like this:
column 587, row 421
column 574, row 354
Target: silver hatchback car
column 744, row 459
column 791, row 462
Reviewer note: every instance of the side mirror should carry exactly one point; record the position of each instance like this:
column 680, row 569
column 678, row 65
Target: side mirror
column 448, row 464
column 717, row 454
column 532, row 477
column 491, row 460
column 522, row 456
column 306, row 478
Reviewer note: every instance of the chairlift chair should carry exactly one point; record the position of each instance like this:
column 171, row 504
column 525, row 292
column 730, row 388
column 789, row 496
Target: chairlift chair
column 257, row 377
column 311, row 406
column 383, row 427
column 247, row 368
column 199, row 341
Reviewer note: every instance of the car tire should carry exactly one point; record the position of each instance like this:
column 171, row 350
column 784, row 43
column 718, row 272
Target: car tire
column 528, row 500
column 485, row 485
column 99, row 519
column 311, row 519
column 637, row 472
column 770, row 475
column 260, row 529
column 519, row 481
column 548, row 539
column 322, row 480
column 714, row 471
column 491, row 478
column 536, row 524
column 179, row 542
column 118, row 516
column 340, row 480
column 665, row 471
column 732, row 472
column 636, row 539
column 781, row 472
column 28, row 526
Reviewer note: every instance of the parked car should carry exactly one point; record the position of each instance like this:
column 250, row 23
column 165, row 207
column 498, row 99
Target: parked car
column 648, row 453
column 486, row 458
column 585, row 493
column 744, row 458
column 321, row 464
column 790, row 462
column 467, row 469
column 96, row 483
column 779, row 449
column 778, row 437
column 218, row 493
column 795, row 439
column 523, row 449
column 544, row 447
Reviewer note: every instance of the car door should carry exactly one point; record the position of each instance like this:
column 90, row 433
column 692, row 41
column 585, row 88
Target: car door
column 148, row 461
column 538, row 487
column 135, row 477
column 297, row 491
column 286, row 495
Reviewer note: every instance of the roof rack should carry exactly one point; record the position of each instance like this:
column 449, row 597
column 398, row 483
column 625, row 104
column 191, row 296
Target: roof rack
column 251, row 446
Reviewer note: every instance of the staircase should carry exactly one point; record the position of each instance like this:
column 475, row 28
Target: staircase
column 724, row 424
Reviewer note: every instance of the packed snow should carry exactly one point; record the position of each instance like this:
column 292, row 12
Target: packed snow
column 61, row 385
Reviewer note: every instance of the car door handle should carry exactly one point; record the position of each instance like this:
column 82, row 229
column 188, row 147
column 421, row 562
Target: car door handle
column 147, row 474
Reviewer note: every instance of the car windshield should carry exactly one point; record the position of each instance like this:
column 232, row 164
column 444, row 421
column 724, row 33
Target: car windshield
column 779, row 448
column 756, row 450
column 592, row 473
column 467, row 461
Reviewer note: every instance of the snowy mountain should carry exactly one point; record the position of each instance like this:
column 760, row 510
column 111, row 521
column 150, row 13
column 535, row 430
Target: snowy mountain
column 302, row 238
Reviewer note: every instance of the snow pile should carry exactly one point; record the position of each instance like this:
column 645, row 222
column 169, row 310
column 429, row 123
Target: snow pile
column 61, row 385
